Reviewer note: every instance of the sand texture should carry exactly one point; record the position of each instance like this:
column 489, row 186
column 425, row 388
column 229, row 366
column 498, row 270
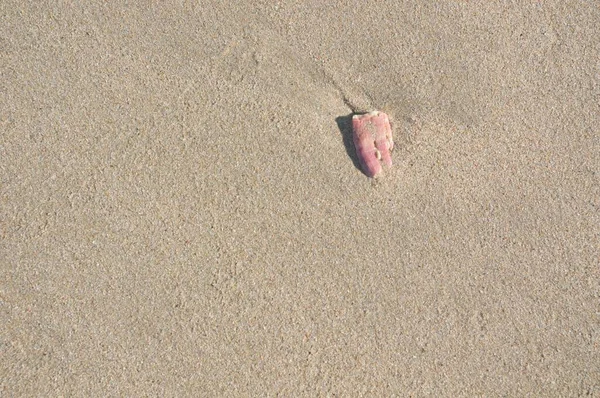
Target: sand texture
column 182, row 211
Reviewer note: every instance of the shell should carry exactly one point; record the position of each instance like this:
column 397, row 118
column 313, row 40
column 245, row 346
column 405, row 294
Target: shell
column 372, row 136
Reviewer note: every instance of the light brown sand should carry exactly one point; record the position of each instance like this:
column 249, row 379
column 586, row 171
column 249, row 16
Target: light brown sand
column 181, row 213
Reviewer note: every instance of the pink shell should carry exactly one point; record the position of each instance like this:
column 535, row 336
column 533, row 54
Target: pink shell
column 372, row 135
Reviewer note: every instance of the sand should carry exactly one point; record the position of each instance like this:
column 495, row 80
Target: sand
column 182, row 212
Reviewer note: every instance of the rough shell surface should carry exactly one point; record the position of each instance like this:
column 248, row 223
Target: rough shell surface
column 372, row 136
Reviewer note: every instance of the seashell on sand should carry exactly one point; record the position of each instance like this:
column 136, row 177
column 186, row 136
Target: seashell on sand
column 372, row 136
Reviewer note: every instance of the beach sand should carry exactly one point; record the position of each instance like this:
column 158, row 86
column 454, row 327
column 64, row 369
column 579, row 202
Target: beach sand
column 182, row 212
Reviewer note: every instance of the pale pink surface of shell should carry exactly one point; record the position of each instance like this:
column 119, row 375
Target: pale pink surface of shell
column 372, row 135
